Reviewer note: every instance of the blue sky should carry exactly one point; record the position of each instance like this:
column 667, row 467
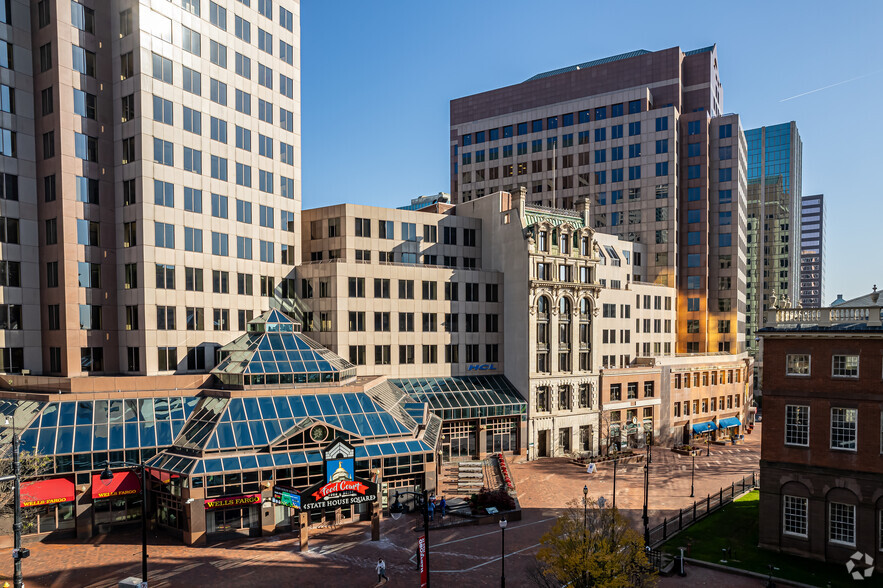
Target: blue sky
column 377, row 79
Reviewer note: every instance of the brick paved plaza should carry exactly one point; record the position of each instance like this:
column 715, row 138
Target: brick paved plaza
column 345, row 557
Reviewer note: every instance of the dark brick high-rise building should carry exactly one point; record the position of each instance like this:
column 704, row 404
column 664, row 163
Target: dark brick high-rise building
column 644, row 137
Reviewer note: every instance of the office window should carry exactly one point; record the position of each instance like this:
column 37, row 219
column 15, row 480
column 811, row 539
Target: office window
column 218, row 129
column 191, row 41
column 163, row 152
column 286, row 86
column 218, row 92
column 265, row 41
column 165, row 318
column 92, row 359
column 193, row 279
column 83, row 61
column 382, row 354
column 243, row 102
column 265, row 111
column 794, row 512
column 844, row 366
column 127, row 108
column 242, row 29
column 841, row 520
column 796, row 425
column 193, row 239
column 86, row 147
column 243, row 66
column 163, row 193
column 192, row 81
column 726, row 131
column 797, row 364
column 218, row 15
column 221, row 319
column 844, row 425
column 162, row 68
column 218, row 53
column 220, row 244
column 87, row 190
column 286, row 52
column 694, row 127
column 192, row 121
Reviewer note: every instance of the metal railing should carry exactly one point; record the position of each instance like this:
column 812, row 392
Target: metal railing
column 700, row 509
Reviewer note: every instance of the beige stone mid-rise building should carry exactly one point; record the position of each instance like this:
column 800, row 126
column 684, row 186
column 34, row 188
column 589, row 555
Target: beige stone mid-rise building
column 157, row 151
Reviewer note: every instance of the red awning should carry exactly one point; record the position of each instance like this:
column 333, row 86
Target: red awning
column 123, row 484
column 50, row 491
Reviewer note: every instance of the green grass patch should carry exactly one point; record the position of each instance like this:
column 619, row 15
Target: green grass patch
column 735, row 526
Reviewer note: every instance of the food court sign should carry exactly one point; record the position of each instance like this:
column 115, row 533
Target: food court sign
column 339, row 487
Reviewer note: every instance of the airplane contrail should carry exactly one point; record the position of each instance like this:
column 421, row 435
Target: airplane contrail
column 830, row 86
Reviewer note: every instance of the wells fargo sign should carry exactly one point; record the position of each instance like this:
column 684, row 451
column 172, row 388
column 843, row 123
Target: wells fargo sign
column 228, row 501
column 340, row 487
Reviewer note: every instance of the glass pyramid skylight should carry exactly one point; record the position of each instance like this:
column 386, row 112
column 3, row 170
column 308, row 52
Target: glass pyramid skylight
column 274, row 352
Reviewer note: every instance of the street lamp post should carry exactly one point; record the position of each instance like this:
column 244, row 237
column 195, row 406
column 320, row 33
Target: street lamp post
column 646, row 492
column 692, row 472
column 503, row 523
column 585, row 546
column 106, row 476
column 614, row 479
column 422, row 501
column 18, row 552
column 707, row 444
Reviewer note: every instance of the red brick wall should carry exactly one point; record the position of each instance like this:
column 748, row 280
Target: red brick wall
column 821, row 392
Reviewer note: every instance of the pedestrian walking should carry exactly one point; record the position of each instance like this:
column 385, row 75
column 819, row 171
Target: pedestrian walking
column 431, row 507
column 381, row 570
column 442, row 506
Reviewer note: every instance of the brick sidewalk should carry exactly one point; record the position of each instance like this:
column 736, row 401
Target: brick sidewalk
column 345, row 557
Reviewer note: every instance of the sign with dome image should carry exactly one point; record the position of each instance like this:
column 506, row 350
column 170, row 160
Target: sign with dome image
column 341, row 487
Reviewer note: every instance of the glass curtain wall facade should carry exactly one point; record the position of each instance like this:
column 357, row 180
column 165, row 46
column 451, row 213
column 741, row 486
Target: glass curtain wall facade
column 775, row 160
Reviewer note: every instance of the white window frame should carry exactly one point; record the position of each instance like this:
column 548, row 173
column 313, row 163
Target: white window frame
column 785, row 530
column 838, row 541
column 808, row 412
column 857, row 362
column 831, row 434
column 808, row 357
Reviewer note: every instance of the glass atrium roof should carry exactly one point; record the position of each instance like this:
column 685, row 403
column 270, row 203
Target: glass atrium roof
column 467, row 396
column 84, row 426
column 274, row 352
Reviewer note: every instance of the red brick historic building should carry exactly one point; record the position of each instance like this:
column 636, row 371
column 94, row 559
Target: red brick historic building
column 821, row 470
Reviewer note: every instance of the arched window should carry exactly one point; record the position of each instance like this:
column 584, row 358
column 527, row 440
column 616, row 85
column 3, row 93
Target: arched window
column 543, row 335
column 564, row 308
column 585, row 335
column 585, row 309
column 543, row 307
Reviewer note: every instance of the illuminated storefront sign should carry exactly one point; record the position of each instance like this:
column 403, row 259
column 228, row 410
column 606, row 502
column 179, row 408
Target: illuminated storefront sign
column 340, row 487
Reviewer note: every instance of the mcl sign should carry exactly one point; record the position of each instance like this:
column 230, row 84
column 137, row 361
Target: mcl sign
column 482, row 367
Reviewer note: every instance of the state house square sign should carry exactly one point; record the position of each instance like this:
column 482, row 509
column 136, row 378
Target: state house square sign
column 341, row 487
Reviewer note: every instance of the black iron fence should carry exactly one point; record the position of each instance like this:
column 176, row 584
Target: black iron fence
column 700, row 509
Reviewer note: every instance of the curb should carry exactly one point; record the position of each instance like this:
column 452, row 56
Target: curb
column 741, row 572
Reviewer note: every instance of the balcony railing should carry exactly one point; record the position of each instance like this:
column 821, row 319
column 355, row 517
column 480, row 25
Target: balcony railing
column 825, row 317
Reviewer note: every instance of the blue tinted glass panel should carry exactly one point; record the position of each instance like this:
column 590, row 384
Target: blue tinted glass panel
column 29, row 440
column 348, row 424
column 65, row 441
column 83, row 439
column 231, row 464
column 46, row 443
column 251, row 409
column 312, row 406
column 249, row 462
column 297, row 407
column 376, row 424
column 258, row 434
column 362, row 425
column 163, row 433
column 176, row 428
column 273, row 429
column 339, row 403
column 213, row 465
column 116, row 437
column 325, row 404
column 224, row 433
column 84, row 413
column 148, row 435
column 265, row 460
column 132, row 436
column 237, row 410
column 283, row 409
column 281, row 459
column 243, row 437
column 67, row 413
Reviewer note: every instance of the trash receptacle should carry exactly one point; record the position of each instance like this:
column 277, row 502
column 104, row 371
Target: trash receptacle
column 130, row 583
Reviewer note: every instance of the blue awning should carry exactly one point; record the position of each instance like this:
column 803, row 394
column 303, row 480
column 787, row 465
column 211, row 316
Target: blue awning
column 729, row 422
column 704, row 427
